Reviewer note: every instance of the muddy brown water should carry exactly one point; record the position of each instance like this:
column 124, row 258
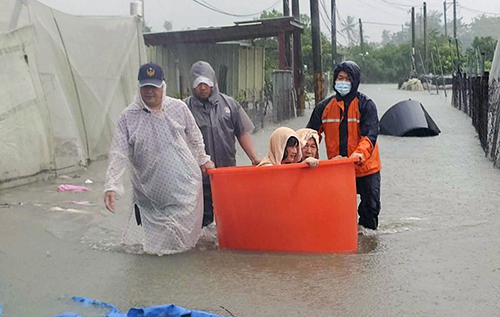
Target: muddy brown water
column 436, row 252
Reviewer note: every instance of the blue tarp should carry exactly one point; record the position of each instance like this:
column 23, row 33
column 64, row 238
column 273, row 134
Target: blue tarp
column 1, row 311
column 153, row 311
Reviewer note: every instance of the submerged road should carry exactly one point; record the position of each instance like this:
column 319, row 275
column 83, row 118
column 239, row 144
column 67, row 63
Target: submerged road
column 437, row 252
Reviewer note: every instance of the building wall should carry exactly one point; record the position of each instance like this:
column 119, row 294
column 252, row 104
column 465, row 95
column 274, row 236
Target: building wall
column 245, row 66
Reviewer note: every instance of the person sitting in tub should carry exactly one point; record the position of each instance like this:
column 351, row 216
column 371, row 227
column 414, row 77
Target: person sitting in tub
column 285, row 148
column 309, row 140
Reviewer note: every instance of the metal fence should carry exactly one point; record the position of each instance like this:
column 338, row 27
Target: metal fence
column 470, row 94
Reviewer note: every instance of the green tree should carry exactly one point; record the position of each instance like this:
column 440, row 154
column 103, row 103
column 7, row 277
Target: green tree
column 386, row 37
column 350, row 29
column 484, row 26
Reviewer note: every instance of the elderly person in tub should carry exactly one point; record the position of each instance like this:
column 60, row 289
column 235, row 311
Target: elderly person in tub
column 309, row 140
column 285, row 148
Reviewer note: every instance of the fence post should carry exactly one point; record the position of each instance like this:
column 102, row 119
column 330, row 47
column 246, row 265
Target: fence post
column 283, row 104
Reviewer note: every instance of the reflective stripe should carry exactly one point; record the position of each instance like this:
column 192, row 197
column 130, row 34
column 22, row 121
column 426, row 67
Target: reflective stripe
column 338, row 120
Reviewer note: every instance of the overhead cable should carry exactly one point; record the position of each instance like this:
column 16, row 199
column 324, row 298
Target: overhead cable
column 207, row 5
column 478, row 11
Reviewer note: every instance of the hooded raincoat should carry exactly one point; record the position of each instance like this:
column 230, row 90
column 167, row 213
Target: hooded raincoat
column 164, row 150
column 220, row 118
column 350, row 124
column 305, row 134
column 277, row 147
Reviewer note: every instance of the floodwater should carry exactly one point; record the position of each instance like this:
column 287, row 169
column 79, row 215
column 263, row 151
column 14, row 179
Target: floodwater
column 436, row 252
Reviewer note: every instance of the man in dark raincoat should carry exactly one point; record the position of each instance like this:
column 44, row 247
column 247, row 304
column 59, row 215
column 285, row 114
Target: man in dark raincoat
column 350, row 123
column 221, row 120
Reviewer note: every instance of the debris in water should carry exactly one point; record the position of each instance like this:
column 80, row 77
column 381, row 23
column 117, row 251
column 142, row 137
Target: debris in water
column 10, row 205
column 72, row 188
column 163, row 310
column 69, row 210
column 83, row 202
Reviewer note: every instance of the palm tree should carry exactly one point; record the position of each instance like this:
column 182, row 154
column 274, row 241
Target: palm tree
column 350, row 29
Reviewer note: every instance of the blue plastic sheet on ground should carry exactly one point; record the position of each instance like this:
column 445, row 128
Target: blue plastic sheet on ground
column 153, row 311
column 1, row 311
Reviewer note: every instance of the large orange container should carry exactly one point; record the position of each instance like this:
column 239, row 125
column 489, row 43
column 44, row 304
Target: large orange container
column 287, row 208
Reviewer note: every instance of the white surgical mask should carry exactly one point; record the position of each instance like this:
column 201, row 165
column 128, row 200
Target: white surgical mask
column 343, row 87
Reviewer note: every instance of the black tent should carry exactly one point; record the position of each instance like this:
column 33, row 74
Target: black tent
column 408, row 118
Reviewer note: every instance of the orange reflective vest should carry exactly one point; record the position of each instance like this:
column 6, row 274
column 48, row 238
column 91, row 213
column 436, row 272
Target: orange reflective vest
column 330, row 125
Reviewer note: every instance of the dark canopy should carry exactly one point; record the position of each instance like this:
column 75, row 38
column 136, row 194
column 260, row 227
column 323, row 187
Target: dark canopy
column 408, row 118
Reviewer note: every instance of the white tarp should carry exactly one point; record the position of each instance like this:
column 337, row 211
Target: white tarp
column 73, row 75
column 25, row 135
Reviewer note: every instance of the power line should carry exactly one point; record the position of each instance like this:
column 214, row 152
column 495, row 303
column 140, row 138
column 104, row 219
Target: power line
column 378, row 23
column 322, row 2
column 209, row 6
column 478, row 11
column 381, row 10
column 396, row 5
column 328, row 27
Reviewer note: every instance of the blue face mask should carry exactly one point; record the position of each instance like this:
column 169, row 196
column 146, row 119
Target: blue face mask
column 343, row 87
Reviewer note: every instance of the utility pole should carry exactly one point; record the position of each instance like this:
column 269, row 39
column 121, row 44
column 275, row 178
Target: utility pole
column 334, row 35
column 413, row 37
column 426, row 55
column 454, row 19
column 288, row 52
column 316, row 50
column 361, row 46
column 421, row 25
column 445, row 27
column 298, row 66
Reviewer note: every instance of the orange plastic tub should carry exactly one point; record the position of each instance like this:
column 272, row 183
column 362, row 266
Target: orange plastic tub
column 287, row 207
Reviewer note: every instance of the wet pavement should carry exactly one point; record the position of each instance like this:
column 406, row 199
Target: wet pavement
column 436, row 252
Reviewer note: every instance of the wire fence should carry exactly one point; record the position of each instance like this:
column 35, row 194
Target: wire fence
column 480, row 100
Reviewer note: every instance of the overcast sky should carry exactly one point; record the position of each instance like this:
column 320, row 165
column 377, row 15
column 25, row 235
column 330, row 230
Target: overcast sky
column 184, row 14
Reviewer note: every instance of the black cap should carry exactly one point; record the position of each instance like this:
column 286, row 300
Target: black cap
column 150, row 74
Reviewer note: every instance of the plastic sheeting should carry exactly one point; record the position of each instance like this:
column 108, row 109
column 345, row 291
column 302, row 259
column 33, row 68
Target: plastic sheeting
column 153, row 311
column 493, row 149
column 408, row 118
column 65, row 79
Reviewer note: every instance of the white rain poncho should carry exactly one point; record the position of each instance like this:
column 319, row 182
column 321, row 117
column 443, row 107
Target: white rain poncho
column 164, row 150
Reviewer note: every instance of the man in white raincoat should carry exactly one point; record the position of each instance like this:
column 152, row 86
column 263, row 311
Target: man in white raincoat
column 157, row 137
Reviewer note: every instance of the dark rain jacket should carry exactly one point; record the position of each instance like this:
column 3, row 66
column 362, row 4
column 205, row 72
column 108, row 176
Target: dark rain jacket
column 220, row 118
column 350, row 123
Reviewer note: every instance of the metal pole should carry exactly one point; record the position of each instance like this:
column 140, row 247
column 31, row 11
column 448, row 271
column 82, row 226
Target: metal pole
column 421, row 24
column 361, row 46
column 334, row 35
column 316, row 50
column 413, row 37
column 455, row 19
column 435, row 73
column 426, row 54
column 288, row 51
column 425, row 71
column 445, row 27
column 298, row 66
column 442, row 72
